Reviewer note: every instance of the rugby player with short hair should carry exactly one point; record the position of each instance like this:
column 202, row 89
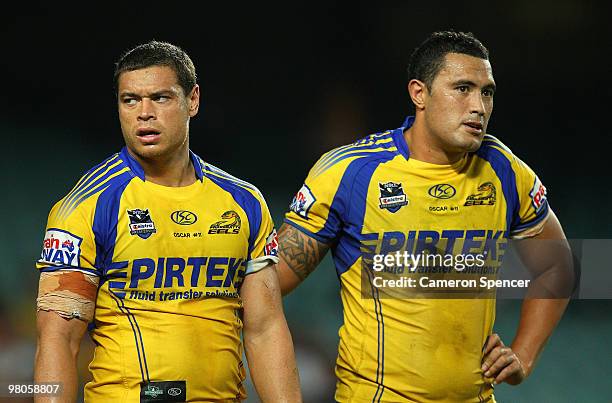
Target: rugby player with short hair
column 170, row 259
column 437, row 183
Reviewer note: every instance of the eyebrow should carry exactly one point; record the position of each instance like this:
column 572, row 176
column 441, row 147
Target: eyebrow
column 151, row 95
column 491, row 86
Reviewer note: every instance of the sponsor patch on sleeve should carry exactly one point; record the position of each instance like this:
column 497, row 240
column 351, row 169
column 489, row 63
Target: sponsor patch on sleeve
column 61, row 248
column 271, row 248
column 538, row 194
column 302, row 202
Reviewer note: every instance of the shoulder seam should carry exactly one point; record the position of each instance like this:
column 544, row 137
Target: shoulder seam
column 487, row 147
column 492, row 141
column 365, row 143
column 239, row 184
column 211, row 169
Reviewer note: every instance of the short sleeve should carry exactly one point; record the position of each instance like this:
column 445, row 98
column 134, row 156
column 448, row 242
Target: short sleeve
column 533, row 206
column 264, row 250
column 69, row 242
column 316, row 209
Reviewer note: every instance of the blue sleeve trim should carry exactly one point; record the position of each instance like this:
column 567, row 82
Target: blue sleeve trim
column 310, row 234
column 526, row 225
column 70, row 268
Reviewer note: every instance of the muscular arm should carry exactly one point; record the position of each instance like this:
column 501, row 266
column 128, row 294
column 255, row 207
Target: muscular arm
column 551, row 263
column 269, row 348
column 56, row 354
column 64, row 306
column 549, row 258
column 299, row 255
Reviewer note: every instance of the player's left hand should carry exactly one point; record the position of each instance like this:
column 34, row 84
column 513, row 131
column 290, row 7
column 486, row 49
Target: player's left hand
column 501, row 362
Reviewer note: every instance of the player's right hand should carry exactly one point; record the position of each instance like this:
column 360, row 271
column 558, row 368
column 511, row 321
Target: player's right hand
column 501, row 362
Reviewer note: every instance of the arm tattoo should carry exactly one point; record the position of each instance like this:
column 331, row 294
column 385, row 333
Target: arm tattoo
column 300, row 252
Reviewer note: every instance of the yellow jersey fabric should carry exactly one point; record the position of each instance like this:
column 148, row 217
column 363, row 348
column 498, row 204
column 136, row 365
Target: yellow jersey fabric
column 170, row 261
column 371, row 197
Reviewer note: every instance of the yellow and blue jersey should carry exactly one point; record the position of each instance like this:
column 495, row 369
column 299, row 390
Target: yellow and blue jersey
column 371, row 197
column 170, row 263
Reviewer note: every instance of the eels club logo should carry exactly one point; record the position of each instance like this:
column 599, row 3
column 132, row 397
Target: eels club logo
column 229, row 224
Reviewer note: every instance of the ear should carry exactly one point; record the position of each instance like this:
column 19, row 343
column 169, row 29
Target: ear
column 418, row 93
column 194, row 101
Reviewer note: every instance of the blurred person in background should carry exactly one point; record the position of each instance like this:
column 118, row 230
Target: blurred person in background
column 170, row 259
column 437, row 183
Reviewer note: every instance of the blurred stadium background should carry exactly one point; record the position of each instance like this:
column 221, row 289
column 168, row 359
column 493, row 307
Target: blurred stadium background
column 281, row 85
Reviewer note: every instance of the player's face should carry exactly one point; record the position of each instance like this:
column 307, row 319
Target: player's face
column 154, row 112
column 459, row 104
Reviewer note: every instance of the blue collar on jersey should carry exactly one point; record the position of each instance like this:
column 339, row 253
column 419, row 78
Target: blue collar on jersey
column 400, row 140
column 136, row 168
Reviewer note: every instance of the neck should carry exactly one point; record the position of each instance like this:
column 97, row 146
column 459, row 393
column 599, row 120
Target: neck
column 175, row 170
column 424, row 147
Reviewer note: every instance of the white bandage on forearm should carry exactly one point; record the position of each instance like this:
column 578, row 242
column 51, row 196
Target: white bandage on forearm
column 70, row 294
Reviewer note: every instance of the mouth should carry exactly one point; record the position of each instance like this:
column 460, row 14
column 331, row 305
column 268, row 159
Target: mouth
column 473, row 126
column 148, row 135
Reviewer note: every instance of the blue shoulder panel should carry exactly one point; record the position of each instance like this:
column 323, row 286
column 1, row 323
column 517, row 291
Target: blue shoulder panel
column 503, row 169
column 246, row 200
column 105, row 220
column 351, row 199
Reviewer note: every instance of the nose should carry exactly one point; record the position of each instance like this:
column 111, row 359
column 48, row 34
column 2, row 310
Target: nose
column 147, row 110
column 477, row 104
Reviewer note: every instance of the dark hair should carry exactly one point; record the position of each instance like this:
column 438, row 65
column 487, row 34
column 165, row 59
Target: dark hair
column 428, row 59
column 155, row 53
